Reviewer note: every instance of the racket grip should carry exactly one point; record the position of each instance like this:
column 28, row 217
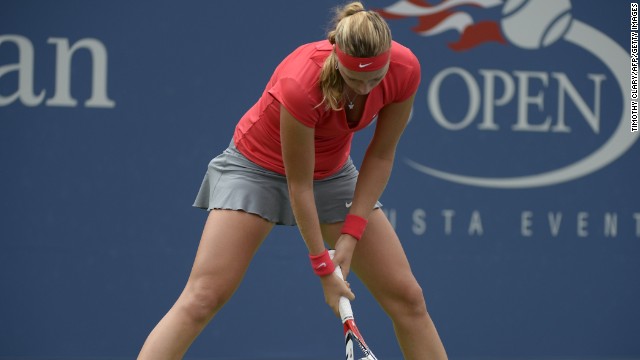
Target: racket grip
column 344, row 306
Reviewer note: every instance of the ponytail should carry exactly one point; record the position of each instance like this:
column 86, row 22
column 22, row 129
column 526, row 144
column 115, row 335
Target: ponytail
column 359, row 33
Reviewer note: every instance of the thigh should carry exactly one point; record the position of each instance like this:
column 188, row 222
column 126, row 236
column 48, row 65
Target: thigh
column 379, row 259
column 229, row 241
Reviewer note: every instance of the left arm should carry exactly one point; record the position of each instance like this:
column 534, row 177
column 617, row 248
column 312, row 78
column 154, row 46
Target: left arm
column 375, row 170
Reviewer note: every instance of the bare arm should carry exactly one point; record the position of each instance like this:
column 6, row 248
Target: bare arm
column 378, row 160
column 298, row 153
column 375, row 170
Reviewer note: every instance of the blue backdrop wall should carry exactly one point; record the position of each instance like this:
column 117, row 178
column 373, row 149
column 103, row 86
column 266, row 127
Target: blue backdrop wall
column 515, row 190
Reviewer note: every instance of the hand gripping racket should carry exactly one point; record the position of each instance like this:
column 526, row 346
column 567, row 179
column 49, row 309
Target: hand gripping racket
column 351, row 332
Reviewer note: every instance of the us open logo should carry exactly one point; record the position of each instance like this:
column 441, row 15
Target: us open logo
column 521, row 101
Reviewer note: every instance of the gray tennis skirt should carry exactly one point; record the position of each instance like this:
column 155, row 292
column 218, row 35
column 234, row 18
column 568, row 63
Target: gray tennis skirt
column 234, row 182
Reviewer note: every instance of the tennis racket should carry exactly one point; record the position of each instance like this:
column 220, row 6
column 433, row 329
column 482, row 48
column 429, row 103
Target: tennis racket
column 351, row 332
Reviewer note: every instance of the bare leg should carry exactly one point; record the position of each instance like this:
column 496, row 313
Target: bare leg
column 229, row 241
column 381, row 264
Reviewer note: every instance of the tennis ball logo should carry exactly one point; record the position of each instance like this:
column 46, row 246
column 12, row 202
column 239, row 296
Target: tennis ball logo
column 532, row 24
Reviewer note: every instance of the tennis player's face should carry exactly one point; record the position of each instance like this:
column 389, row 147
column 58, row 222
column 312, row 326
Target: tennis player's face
column 362, row 82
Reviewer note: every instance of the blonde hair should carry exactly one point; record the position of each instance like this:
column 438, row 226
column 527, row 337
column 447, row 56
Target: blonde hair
column 358, row 33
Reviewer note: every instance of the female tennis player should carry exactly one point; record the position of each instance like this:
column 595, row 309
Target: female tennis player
column 289, row 163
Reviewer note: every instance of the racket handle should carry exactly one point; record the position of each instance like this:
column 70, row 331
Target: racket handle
column 344, row 306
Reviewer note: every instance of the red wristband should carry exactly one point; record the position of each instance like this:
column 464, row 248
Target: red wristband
column 354, row 225
column 322, row 264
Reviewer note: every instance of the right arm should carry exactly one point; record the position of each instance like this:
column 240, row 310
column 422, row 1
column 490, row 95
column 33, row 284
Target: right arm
column 298, row 154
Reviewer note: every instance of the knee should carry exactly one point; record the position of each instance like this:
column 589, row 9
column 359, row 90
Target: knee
column 202, row 300
column 408, row 302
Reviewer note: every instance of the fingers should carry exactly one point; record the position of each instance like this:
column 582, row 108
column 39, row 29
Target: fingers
column 334, row 289
column 347, row 292
column 351, row 296
column 335, row 286
column 343, row 262
column 344, row 249
column 345, row 271
column 336, row 305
